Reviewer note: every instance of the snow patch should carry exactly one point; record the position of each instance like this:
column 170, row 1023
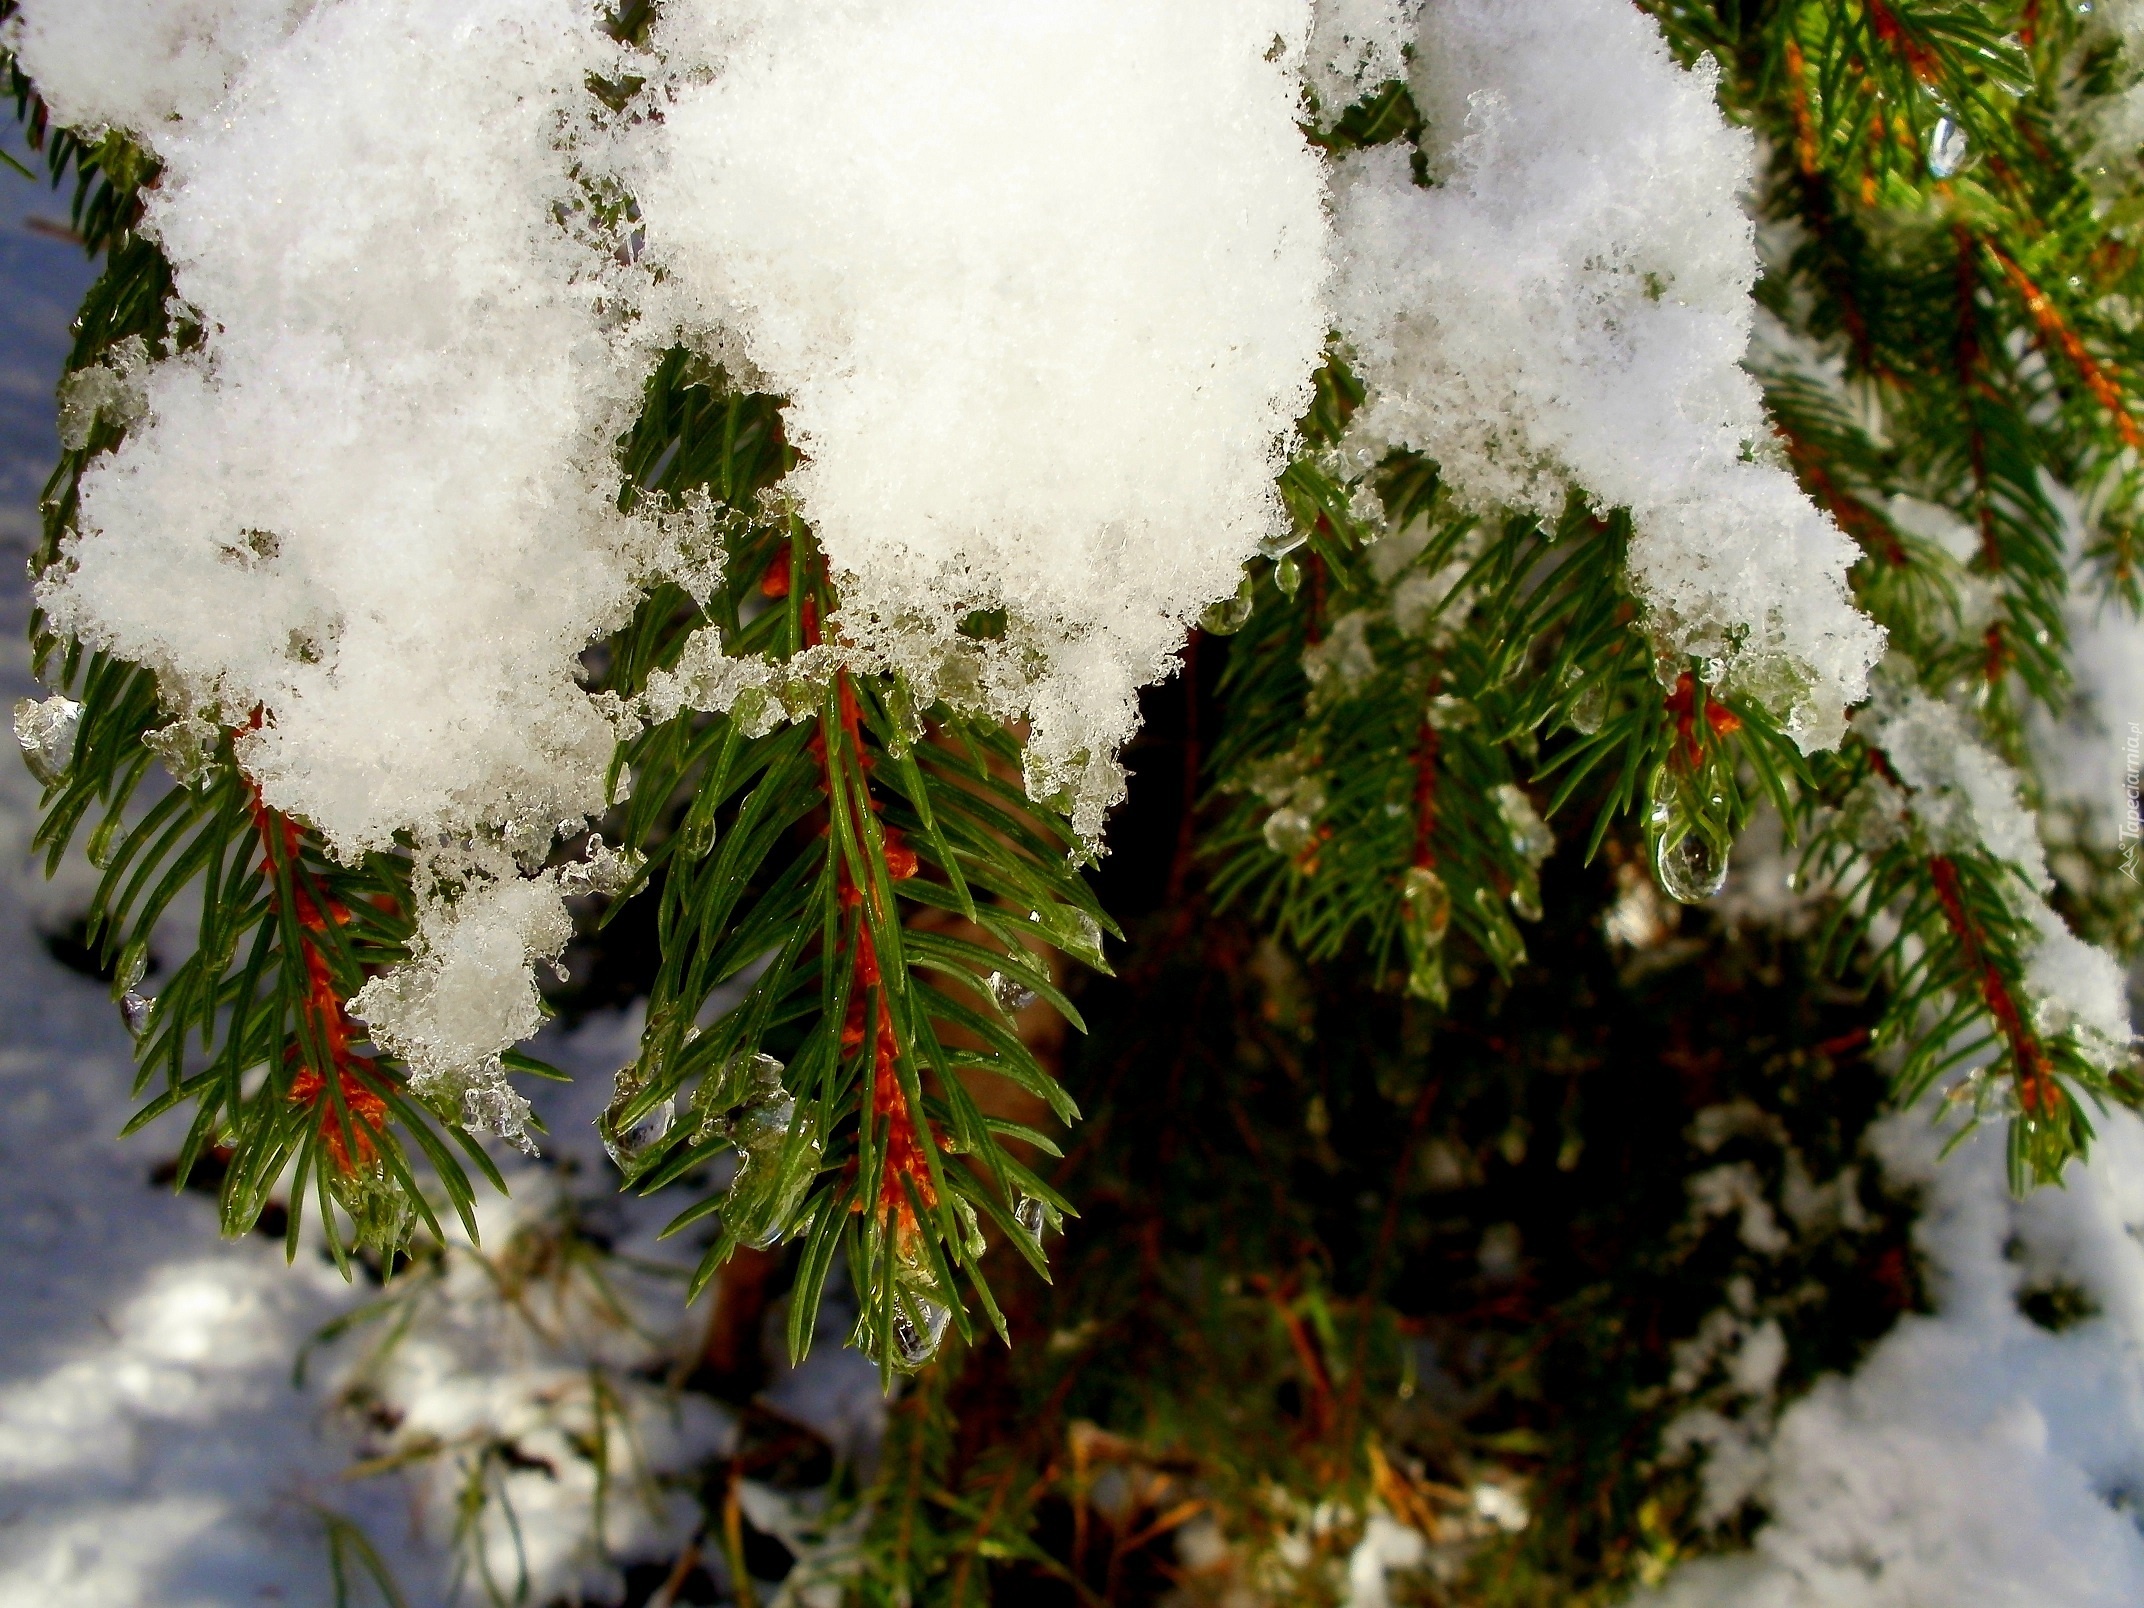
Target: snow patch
column 1568, row 306
column 1041, row 285
column 1975, row 1459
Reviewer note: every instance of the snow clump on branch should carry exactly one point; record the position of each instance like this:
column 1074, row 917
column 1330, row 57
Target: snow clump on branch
column 377, row 502
column 1043, row 288
column 1967, row 800
column 139, row 64
column 1042, row 285
column 1568, row 305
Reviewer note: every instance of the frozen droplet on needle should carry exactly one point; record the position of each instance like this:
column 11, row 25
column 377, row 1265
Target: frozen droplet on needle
column 1690, row 868
column 1012, row 996
column 918, row 1330
column 45, row 729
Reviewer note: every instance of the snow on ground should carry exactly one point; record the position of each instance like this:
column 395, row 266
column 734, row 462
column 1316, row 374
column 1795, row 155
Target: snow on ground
column 152, row 1449
column 1976, row 1459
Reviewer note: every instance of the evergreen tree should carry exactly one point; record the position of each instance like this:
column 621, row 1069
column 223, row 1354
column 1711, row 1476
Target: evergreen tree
column 1408, row 971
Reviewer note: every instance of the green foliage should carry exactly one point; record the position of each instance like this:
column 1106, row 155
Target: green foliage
column 1345, row 1251
column 1967, row 266
column 788, row 857
column 1381, row 1016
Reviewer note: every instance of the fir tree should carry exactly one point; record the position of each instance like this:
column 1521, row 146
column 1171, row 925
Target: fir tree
column 1402, row 876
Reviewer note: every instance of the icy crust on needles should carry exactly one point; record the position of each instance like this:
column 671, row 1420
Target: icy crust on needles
column 1042, row 284
column 1568, row 306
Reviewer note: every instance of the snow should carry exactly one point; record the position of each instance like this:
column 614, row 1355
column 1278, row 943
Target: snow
column 348, row 508
column 2091, row 753
column 1568, row 306
column 138, row 64
column 378, row 504
column 1042, row 286
column 154, row 1450
column 468, row 992
column 1965, row 798
column 1974, row 1459
column 2093, row 761
column 1356, row 46
column 1968, row 801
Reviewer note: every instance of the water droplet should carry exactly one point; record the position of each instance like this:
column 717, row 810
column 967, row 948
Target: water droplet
column 1012, row 996
column 775, row 1171
column 1288, row 832
column 1288, row 576
column 1691, row 868
column 1031, row 1216
column 46, row 729
column 696, row 834
column 136, row 1010
column 1072, row 930
column 1690, row 837
column 131, row 968
column 1231, row 613
column 1530, row 837
column 626, row 1145
column 1276, row 779
column 776, row 1159
column 1425, row 904
column 1526, row 897
column 1949, row 151
column 1589, row 707
column 763, row 1075
column 1425, row 918
column 1448, row 713
column 101, row 841
column 763, row 1123
column 1498, row 936
column 918, row 1330
column 744, row 1083
column 1426, row 980
column 902, row 717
